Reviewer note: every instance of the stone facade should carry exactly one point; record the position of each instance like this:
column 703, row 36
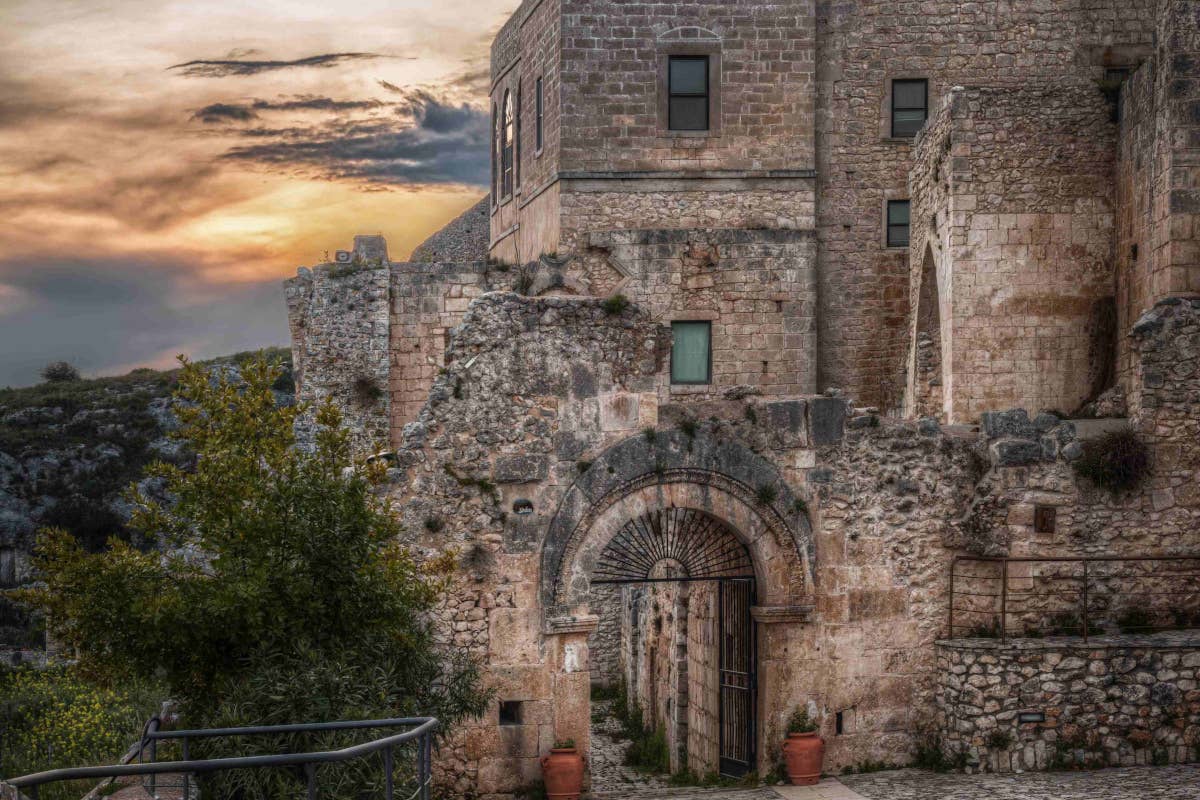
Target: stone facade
column 530, row 415
column 1035, row 705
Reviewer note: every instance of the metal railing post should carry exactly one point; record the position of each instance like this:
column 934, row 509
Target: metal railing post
column 153, row 758
column 187, row 776
column 310, row 770
column 427, row 758
column 1084, row 618
column 1004, row 601
column 387, row 773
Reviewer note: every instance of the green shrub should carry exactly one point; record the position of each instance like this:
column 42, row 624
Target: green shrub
column 999, row 740
column 306, row 607
column 649, row 751
column 55, row 718
column 799, row 722
column 1118, row 461
column 615, row 305
column 766, row 494
column 59, row 372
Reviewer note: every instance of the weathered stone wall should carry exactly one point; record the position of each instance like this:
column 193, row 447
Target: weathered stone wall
column 612, row 56
column 1113, row 701
column 427, row 302
column 1022, row 180
column 757, row 288
column 862, row 47
column 605, row 644
column 464, row 239
column 341, row 349
column 703, row 691
column 1159, row 210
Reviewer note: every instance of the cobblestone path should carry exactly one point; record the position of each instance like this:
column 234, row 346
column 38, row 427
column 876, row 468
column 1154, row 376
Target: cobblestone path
column 609, row 773
column 1132, row 783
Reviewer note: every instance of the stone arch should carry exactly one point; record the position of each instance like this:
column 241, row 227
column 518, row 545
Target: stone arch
column 929, row 390
column 719, row 477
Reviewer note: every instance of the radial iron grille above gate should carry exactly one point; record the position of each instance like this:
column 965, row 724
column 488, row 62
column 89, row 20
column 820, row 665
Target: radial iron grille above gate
column 682, row 539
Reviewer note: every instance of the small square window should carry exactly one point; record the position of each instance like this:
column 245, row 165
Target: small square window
column 687, row 93
column 510, row 712
column 1045, row 518
column 691, row 352
column 897, row 223
column 910, row 107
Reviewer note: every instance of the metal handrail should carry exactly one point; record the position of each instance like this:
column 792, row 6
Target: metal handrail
column 1083, row 592
column 423, row 731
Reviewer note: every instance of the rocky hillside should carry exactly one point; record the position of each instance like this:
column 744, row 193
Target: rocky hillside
column 69, row 449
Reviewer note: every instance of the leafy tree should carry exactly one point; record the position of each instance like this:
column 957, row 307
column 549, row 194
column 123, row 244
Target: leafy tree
column 287, row 597
column 59, row 372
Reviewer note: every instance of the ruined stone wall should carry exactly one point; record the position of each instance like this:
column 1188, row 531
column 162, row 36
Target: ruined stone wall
column 339, row 320
column 756, row 287
column 1023, row 179
column 1114, row 701
column 862, row 47
column 427, row 302
column 464, row 239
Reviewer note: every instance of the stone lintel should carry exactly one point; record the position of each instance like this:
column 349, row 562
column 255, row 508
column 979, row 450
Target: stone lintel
column 584, row 623
column 769, row 615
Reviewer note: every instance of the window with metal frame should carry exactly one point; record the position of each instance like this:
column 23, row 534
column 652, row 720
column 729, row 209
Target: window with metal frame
column 506, row 146
column 540, row 118
column 910, row 107
column 691, row 352
column 897, row 223
column 688, row 93
column 495, row 152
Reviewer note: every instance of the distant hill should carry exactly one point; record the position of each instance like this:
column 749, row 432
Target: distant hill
column 69, row 449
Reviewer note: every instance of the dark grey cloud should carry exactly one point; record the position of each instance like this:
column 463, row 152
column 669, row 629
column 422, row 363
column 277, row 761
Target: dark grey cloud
column 101, row 314
column 225, row 112
column 437, row 142
column 225, row 67
column 245, row 112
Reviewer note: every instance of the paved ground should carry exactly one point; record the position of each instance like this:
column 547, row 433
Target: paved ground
column 609, row 773
column 1134, row 783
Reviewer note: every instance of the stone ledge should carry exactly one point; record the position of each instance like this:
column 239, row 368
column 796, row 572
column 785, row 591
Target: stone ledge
column 1165, row 639
column 770, row 615
column 574, row 624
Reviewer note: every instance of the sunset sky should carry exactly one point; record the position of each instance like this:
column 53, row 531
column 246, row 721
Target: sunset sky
column 164, row 164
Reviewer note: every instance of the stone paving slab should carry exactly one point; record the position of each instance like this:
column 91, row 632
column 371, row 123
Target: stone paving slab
column 1131, row 783
column 827, row 789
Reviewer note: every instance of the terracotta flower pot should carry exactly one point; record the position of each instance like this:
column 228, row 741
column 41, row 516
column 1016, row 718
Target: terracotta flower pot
column 804, row 753
column 562, row 772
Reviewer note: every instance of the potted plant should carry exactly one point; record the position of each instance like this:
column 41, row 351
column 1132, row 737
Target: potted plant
column 562, row 771
column 804, row 750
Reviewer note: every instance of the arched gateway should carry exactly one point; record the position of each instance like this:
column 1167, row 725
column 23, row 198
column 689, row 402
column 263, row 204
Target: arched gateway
column 697, row 541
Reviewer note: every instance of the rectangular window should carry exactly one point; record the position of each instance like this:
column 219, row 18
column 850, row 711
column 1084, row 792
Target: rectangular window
column 540, row 116
column 910, row 107
column 687, row 93
column 897, row 223
column 691, row 352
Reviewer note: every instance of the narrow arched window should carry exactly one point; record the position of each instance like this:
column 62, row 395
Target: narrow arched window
column 506, row 146
column 495, row 154
column 517, row 165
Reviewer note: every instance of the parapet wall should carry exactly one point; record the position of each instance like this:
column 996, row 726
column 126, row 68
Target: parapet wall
column 1054, row 704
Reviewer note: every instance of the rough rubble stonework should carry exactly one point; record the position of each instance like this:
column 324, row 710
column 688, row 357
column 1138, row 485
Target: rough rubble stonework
column 874, row 413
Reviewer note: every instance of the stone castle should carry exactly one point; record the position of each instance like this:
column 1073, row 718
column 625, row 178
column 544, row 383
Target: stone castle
column 774, row 311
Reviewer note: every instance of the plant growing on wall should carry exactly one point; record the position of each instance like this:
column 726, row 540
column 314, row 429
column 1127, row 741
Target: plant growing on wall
column 800, row 722
column 296, row 604
column 1118, row 461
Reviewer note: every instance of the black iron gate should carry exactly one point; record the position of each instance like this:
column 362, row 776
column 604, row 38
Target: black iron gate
column 736, row 676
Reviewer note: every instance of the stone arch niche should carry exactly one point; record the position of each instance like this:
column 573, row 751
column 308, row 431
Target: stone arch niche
column 716, row 478
column 928, row 368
